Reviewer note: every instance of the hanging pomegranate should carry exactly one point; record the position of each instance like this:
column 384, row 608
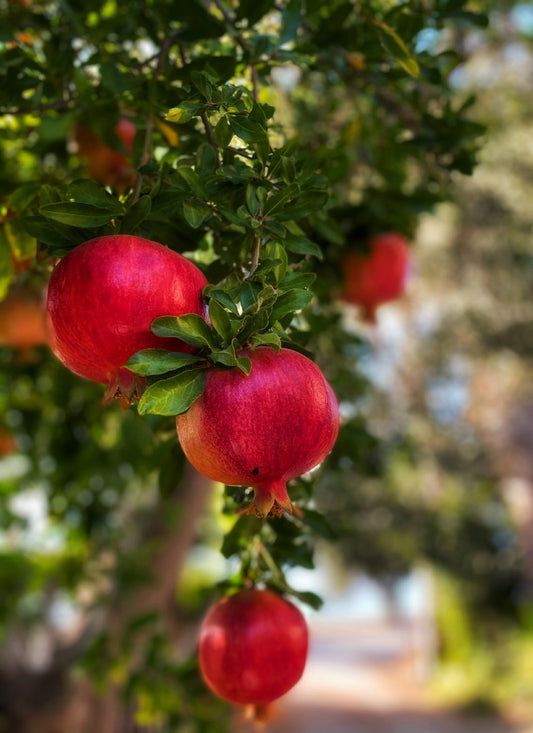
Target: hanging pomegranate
column 263, row 429
column 22, row 319
column 252, row 647
column 377, row 276
column 104, row 164
column 102, row 298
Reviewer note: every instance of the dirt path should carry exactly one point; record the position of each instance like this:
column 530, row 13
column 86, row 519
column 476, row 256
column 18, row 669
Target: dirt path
column 368, row 679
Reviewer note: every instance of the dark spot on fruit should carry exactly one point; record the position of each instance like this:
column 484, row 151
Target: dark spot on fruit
column 255, row 472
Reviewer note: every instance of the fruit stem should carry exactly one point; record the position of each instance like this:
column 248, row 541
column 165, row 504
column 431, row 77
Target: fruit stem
column 370, row 314
column 258, row 714
column 271, row 564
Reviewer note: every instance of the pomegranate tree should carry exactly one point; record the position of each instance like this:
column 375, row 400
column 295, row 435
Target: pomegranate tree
column 252, row 647
column 262, row 429
column 377, row 276
column 102, row 298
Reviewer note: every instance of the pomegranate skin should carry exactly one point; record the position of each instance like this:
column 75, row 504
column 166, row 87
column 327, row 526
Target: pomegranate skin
column 102, row 298
column 263, row 429
column 252, row 647
column 373, row 278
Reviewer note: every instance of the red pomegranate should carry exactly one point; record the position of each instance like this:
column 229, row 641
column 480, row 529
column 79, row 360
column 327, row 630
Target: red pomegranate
column 104, row 164
column 263, row 429
column 102, row 298
column 252, row 647
column 378, row 276
column 22, row 319
column 8, row 444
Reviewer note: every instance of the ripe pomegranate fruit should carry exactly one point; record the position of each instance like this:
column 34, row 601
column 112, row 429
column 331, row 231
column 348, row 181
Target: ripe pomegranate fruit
column 262, row 429
column 377, row 276
column 8, row 444
column 252, row 647
column 102, row 298
column 22, row 319
column 105, row 165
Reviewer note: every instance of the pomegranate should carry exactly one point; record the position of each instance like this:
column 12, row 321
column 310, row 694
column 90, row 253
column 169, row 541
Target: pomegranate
column 262, row 429
column 105, row 165
column 252, row 647
column 8, row 444
column 377, row 276
column 102, row 298
column 22, row 319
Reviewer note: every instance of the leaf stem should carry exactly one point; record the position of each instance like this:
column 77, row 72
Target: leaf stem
column 211, row 138
column 145, row 158
column 256, row 250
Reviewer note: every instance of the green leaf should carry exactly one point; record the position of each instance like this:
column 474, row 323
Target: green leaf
column 225, row 357
column 6, row 265
column 136, row 214
column 248, row 295
column 149, row 362
column 197, row 23
column 205, row 160
column 77, row 215
column 277, row 252
column 254, row 323
column 298, row 280
column 22, row 244
column 239, row 535
column 184, row 112
column 190, row 328
column 300, row 245
column 222, row 297
column 86, row 191
column 203, row 84
column 195, row 212
column 56, row 236
column 309, row 598
column 280, row 198
column 252, row 202
column 266, row 339
column 244, row 364
column 116, row 82
column 193, row 180
column 246, row 129
column 318, row 523
column 291, row 18
column 223, row 132
column 220, row 320
column 174, row 395
column 23, row 196
column 309, row 202
column 253, row 10
column 396, row 47
column 289, row 302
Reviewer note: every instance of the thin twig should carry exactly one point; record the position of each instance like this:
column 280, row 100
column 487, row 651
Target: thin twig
column 230, row 20
column 256, row 251
column 146, row 156
column 204, row 117
column 211, row 138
